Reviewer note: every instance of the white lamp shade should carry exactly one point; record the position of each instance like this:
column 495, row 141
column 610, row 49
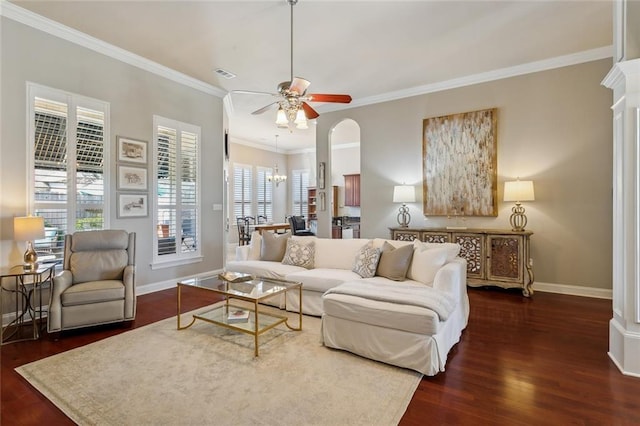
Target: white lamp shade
column 281, row 118
column 28, row 228
column 519, row 190
column 404, row 194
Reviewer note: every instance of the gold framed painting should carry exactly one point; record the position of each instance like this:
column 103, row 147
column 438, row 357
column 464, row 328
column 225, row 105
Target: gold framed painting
column 459, row 170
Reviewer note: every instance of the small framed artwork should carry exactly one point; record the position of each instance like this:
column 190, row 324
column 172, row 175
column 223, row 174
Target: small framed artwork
column 132, row 150
column 132, row 205
column 132, row 178
column 321, row 172
column 323, row 202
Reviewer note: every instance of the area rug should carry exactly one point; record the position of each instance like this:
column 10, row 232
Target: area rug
column 207, row 375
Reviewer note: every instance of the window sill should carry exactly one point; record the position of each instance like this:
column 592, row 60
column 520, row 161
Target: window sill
column 163, row 264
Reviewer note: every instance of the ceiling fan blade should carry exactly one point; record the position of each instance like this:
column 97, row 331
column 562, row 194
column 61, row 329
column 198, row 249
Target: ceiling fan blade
column 251, row 92
column 323, row 97
column 309, row 112
column 264, row 108
column 299, row 85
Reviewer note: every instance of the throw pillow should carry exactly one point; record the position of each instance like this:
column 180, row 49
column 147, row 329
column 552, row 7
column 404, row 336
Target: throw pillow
column 394, row 262
column 426, row 263
column 273, row 246
column 255, row 245
column 453, row 249
column 300, row 253
column 366, row 261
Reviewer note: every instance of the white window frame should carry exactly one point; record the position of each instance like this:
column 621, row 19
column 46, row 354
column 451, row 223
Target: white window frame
column 298, row 175
column 179, row 257
column 73, row 101
column 264, row 205
column 252, row 200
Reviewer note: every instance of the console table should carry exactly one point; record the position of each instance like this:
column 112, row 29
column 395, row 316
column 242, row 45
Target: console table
column 495, row 257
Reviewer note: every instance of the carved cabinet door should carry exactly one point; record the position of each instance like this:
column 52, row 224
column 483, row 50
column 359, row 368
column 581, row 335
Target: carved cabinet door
column 505, row 258
column 472, row 248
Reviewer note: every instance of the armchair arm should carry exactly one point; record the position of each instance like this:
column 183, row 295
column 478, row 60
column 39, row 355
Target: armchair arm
column 452, row 278
column 128, row 279
column 59, row 284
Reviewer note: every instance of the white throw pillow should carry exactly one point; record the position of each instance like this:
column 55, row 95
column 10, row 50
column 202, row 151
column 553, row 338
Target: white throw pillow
column 366, row 261
column 255, row 246
column 299, row 253
column 453, row 249
column 426, row 263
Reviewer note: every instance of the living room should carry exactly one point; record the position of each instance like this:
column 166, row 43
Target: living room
column 554, row 128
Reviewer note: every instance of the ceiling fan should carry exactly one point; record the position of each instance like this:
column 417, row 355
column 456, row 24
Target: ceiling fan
column 293, row 100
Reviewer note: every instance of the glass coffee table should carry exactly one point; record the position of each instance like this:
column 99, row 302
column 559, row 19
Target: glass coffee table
column 240, row 318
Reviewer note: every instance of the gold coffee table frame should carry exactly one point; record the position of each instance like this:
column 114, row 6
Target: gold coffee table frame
column 254, row 291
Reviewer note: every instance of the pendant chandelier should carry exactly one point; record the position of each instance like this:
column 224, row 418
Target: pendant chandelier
column 276, row 177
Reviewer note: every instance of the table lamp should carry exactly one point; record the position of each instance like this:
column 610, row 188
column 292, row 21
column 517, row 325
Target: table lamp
column 28, row 229
column 518, row 191
column 404, row 194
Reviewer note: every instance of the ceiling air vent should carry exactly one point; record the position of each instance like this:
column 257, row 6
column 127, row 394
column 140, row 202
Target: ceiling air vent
column 224, row 73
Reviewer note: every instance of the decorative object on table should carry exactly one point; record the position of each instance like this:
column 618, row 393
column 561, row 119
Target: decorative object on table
column 235, row 277
column 29, row 228
column 276, row 177
column 132, row 205
column 321, row 172
column 237, row 315
column 132, row 150
column 518, row 191
column 460, row 164
column 404, row 194
column 132, row 178
column 292, row 98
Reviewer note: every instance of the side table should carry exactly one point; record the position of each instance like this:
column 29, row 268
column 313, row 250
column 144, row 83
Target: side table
column 24, row 287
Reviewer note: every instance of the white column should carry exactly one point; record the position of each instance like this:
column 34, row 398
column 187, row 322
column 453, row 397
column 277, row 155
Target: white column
column 624, row 327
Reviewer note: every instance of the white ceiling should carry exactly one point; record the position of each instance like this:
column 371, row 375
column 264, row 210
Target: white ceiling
column 371, row 50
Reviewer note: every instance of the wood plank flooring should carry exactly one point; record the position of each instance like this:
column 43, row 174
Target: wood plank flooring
column 538, row 361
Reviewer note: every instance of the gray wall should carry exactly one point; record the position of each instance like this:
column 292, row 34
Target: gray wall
column 134, row 96
column 554, row 127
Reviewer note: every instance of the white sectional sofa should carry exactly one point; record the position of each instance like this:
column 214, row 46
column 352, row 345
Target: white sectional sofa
column 411, row 320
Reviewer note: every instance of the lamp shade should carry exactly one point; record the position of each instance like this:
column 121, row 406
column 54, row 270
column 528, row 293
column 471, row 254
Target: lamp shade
column 518, row 190
column 28, row 228
column 404, row 194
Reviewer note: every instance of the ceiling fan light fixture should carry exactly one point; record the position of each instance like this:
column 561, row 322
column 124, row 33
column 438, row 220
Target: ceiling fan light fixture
column 281, row 118
column 301, row 120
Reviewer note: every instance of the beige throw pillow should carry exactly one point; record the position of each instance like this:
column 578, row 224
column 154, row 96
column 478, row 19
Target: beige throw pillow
column 273, row 246
column 394, row 262
column 255, row 245
column 300, row 253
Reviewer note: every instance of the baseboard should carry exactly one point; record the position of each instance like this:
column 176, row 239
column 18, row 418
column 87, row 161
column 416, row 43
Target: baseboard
column 573, row 290
column 164, row 285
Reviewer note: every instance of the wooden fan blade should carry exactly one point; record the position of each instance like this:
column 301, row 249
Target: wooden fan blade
column 299, row 85
column 323, row 97
column 309, row 112
column 264, row 108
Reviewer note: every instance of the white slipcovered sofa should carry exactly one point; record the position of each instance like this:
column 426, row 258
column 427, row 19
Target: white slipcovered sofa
column 409, row 319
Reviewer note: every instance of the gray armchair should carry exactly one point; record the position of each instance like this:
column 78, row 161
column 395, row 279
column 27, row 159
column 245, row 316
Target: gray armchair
column 97, row 285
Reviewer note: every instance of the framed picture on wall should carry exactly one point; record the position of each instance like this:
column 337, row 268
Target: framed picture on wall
column 132, row 178
column 460, row 164
column 132, row 150
column 132, row 205
column 321, row 172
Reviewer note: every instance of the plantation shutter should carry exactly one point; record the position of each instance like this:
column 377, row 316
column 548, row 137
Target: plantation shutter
column 299, row 187
column 242, row 193
column 265, row 193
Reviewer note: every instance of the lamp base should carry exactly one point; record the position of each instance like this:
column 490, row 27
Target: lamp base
column 518, row 219
column 30, row 258
column 403, row 216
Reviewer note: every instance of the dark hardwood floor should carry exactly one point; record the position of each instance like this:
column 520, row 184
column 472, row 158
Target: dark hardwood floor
column 538, row 361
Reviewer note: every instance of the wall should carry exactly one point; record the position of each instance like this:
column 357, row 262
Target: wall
column 554, row 127
column 134, row 96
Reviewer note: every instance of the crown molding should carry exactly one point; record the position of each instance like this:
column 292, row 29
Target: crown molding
column 499, row 74
column 26, row 17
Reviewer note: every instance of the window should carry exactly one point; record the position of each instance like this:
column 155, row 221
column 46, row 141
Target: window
column 177, row 191
column 300, row 186
column 242, row 190
column 265, row 193
column 68, row 164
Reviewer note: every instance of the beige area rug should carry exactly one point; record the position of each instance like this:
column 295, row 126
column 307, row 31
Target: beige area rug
column 207, row 375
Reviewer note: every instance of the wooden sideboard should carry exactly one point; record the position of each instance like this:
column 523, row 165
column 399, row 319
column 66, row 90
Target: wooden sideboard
column 495, row 257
